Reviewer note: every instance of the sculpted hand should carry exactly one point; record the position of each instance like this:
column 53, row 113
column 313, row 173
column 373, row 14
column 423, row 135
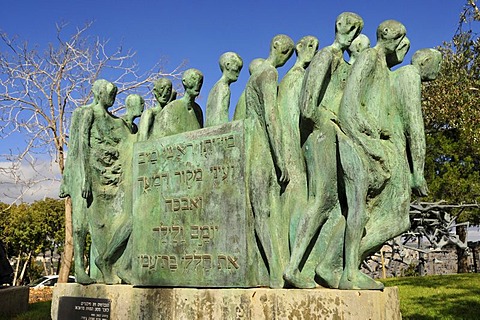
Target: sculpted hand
column 86, row 189
column 418, row 185
column 284, row 178
column 63, row 192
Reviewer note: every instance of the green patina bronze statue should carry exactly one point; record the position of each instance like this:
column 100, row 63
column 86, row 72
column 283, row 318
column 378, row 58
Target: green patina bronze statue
column 184, row 114
column 218, row 101
column 320, row 101
column 240, row 108
column 134, row 105
column 359, row 44
column 295, row 194
column 315, row 176
column 163, row 93
column 365, row 119
column 265, row 152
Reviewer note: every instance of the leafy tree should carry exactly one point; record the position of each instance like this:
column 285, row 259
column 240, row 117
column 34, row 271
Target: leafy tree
column 452, row 122
column 29, row 230
column 39, row 90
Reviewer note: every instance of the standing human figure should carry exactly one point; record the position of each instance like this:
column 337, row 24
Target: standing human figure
column 289, row 90
column 184, row 114
column 105, row 158
column 365, row 119
column 240, row 108
column 358, row 45
column 163, row 93
column 134, row 105
column 407, row 150
column 319, row 103
column 122, row 226
column 265, row 154
column 74, row 184
column 218, row 101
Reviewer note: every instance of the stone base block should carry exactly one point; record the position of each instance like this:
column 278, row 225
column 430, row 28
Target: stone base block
column 127, row 302
column 13, row 300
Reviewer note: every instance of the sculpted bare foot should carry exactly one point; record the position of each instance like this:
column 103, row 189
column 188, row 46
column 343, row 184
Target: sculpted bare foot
column 124, row 276
column 106, row 270
column 83, row 278
column 329, row 277
column 296, row 279
column 359, row 281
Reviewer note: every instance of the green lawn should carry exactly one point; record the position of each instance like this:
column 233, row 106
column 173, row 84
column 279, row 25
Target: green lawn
column 454, row 296
column 36, row 311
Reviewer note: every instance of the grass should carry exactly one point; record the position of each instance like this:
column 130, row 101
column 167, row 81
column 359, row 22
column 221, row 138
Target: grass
column 455, row 296
column 36, row 311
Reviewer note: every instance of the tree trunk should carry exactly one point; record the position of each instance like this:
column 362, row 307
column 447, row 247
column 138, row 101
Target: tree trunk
column 19, row 259
column 462, row 258
column 67, row 255
column 22, row 275
column 44, row 263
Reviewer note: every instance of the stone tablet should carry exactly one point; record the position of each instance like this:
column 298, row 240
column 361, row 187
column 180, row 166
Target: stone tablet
column 191, row 227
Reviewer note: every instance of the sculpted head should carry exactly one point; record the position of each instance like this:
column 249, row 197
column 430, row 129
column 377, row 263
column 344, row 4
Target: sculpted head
column 397, row 57
column 360, row 43
column 192, row 81
column 281, row 49
column 389, row 35
column 135, row 104
column 254, row 64
column 104, row 93
column 162, row 90
column 306, row 49
column 347, row 27
column 231, row 64
column 428, row 62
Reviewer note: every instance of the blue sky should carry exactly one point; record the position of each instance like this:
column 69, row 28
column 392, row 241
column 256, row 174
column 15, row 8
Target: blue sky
column 199, row 31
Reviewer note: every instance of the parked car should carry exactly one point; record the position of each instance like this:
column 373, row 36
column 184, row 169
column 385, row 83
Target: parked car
column 48, row 281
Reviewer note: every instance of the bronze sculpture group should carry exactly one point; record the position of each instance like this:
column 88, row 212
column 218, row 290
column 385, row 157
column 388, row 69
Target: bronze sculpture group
column 333, row 151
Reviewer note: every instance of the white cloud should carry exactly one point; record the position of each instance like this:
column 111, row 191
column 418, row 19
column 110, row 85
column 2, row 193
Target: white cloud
column 29, row 182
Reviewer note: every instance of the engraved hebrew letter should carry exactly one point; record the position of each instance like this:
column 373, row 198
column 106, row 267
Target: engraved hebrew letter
column 176, row 204
column 198, row 259
column 219, row 263
column 169, row 201
column 173, row 263
column 233, row 261
column 207, row 262
column 188, row 258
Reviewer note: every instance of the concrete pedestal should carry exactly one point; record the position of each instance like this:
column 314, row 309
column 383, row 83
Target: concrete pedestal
column 13, row 300
column 127, row 302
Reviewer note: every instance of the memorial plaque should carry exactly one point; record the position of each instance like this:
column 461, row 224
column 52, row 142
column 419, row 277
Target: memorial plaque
column 191, row 226
column 80, row 308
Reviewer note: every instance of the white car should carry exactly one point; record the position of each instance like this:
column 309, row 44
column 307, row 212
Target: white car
column 48, row 281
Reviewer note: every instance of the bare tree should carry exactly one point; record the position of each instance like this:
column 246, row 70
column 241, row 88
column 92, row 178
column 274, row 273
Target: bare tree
column 39, row 89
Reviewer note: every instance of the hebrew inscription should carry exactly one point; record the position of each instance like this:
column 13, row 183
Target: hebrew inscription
column 187, row 232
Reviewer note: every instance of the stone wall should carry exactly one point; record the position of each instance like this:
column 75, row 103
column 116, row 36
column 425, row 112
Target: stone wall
column 13, row 300
column 410, row 262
